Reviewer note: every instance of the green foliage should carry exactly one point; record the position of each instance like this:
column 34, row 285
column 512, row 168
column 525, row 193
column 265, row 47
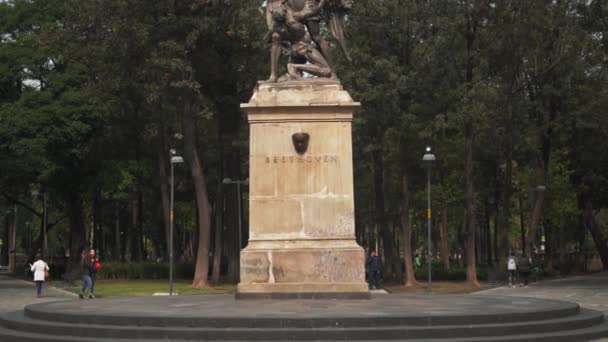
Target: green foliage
column 92, row 92
column 439, row 273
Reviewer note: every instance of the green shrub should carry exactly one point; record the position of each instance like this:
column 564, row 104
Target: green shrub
column 453, row 274
column 143, row 270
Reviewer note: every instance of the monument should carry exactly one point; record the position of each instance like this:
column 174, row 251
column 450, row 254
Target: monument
column 302, row 227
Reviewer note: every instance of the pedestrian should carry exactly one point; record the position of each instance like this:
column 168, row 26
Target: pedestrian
column 96, row 266
column 41, row 271
column 523, row 266
column 87, row 268
column 417, row 261
column 374, row 269
column 512, row 268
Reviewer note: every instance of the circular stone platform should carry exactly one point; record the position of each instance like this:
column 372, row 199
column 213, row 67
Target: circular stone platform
column 384, row 317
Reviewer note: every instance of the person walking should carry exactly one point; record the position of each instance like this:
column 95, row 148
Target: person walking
column 87, row 268
column 512, row 268
column 40, row 270
column 374, row 269
column 523, row 266
column 96, row 265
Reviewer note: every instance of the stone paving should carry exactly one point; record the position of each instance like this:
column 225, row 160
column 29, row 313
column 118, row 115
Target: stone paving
column 589, row 291
column 16, row 293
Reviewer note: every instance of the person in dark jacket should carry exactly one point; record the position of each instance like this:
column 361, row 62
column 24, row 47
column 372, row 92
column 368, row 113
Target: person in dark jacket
column 87, row 267
column 374, row 270
column 523, row 267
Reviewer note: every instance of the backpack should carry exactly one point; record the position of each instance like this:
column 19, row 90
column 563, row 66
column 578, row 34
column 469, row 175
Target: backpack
column 511, row 265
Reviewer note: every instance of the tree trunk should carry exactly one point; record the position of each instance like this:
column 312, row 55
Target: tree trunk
column 410, row 275
column 562, row 249
column 470, row 219
column 117, row 249
column 488, row 236
column 12, row 242
column 201, row 272
column 231, row 198
column 219, row 227
column 522, row 224
column 135, row 236
column 392, row 264
column 445, row 238
column 5, row 237
column 537, row 211
column 597, row 233
column 77, row 241
column 505, row 213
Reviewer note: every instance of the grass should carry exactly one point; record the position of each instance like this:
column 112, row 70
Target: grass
column 130, row 288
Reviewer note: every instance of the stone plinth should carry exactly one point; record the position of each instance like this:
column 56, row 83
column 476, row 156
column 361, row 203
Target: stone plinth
column 302, row 228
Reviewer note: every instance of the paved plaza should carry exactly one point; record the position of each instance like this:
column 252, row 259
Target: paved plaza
column 590, row 292
column 16, row 293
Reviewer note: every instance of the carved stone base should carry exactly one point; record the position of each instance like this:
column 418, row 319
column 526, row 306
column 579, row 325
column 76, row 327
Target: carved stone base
column 303, row 270
column 301, row 197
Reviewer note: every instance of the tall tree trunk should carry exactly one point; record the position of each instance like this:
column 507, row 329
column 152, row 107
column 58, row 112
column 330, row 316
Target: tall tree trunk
column 5, row 237
column 201, row 273
column 445, row 237
column 219, row 227
column 562, row 249
column 12, row 242
column 392, row 263
column 522, row 224
column 231, row 198
column 117, row 239
column 77, row 229
column 488, row 236
column 597, row 233
column 140, row 225
column 543, row 159
column 537, row 211
column 410, row 275
column 135, row 237
column 505, row 213
column 470, row 219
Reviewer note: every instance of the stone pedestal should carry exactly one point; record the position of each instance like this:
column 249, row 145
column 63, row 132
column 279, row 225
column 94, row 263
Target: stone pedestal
column 302, row 227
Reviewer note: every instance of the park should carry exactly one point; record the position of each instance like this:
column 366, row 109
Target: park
column 303, row 170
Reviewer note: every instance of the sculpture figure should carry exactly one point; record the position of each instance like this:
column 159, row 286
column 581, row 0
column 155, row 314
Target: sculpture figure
column 295, row 25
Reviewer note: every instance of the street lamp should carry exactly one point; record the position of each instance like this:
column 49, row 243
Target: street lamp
column 175, row 159
column 429, row 159
column 238, row 189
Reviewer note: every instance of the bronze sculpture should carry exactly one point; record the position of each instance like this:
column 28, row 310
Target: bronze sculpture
column 295, row 25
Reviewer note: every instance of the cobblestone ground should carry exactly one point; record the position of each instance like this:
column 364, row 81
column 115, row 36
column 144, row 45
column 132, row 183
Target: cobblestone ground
column 15, row 294
column 589, row 291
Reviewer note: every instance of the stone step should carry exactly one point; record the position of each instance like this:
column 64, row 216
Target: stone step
column 66, row 312
column 586, row 334
column 18, row 323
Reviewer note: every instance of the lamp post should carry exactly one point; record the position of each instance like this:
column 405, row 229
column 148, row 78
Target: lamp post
column 175, row 159
column 238, row 189
column 428, row 159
